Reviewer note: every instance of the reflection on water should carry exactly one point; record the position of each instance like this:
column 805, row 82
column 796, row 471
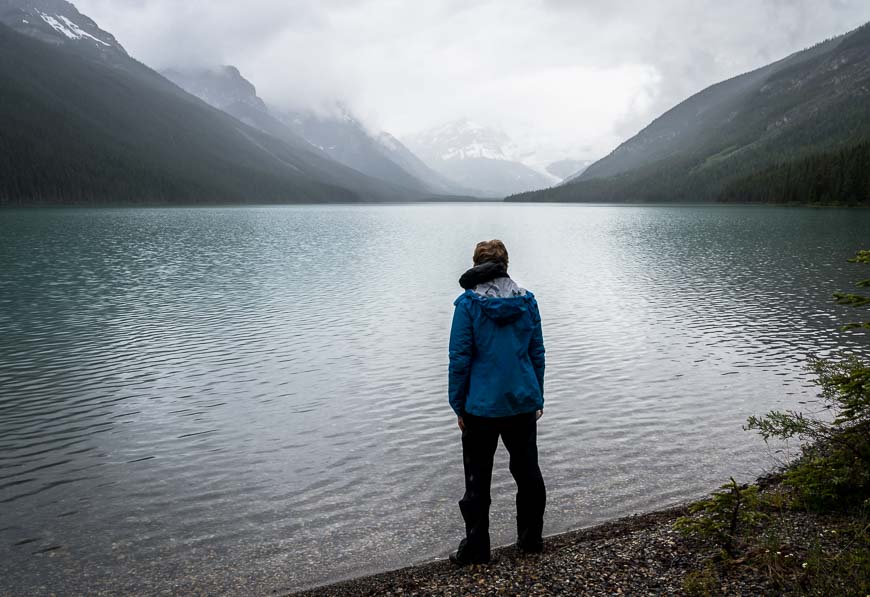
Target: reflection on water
column 250, row 399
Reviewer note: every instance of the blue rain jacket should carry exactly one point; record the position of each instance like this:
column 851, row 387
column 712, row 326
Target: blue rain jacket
column 496, row 356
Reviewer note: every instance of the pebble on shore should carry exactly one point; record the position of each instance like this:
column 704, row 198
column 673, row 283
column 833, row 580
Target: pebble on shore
column 635, row 555
column 638, row 555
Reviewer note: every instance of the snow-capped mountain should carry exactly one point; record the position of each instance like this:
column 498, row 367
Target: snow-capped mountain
column 463, row 139
column 476, row 156
column 59, row 23
column 397, row 152
column 90, row 124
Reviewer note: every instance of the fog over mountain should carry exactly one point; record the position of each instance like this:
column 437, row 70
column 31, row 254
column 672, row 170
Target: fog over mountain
column 564, row 79
column 84, row 122
column 794, row 131
column 567, row 169
column 338, row 136
column 476, row 156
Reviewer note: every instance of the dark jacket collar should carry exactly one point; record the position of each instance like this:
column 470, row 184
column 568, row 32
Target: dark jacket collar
column 483, row 273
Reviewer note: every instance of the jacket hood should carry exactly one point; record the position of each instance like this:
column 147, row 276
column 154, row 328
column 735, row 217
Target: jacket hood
column 504, row 310
column 499, row 288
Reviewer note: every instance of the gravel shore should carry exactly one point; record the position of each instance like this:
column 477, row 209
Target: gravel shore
column 638, row 555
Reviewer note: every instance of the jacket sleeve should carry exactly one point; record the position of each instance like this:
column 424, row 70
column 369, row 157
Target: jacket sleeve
column 536, row 348
column 461, row 349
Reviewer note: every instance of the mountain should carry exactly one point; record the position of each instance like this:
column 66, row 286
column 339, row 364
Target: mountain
column 568, row 169
column 398, row 153
column 222, row 87
column 59, row 23
column 344, row 138
column 225, row 89
column 84, row 122
column 811, row 104
column 475, row 156
column 340, row 136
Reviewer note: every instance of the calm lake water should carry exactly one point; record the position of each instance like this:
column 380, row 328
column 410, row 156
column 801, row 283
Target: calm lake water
column 246, row 399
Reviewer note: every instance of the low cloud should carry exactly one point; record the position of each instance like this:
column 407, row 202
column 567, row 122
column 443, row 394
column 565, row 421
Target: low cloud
column 564, row 78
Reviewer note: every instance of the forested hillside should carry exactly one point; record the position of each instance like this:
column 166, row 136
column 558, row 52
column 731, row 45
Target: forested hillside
column 80, row 129
column 837, row 177
column 812, row 105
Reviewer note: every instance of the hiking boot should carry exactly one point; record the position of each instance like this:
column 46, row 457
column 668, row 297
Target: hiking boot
column 457, row 559
column 533, row 547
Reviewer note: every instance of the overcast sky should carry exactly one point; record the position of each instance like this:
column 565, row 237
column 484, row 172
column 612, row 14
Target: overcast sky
column 564, row 78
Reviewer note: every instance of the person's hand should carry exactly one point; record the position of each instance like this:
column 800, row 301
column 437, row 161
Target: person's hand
column 461, row 423
column 539, row 414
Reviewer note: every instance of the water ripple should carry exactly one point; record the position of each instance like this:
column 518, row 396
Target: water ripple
column 190, row 393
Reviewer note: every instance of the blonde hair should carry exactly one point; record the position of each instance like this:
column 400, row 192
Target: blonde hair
column 490, row 250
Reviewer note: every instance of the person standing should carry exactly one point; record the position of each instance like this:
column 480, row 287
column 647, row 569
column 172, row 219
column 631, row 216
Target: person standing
column 496, row 389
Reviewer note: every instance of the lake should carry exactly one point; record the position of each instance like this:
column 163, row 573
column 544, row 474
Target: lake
column 240, row 400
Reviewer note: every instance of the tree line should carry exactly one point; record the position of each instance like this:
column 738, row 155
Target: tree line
column 840, row 177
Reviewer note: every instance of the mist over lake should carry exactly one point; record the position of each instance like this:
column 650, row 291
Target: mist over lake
column 256, row 397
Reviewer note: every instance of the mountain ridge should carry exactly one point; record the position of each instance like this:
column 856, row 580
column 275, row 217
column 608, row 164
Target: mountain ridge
column 80, row 129
column 59, row 22
column 811, row 101
column 341, row 137
column 85, row 122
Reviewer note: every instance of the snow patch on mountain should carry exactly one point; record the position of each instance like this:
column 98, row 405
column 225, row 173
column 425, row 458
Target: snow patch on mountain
column 478, row 156
column 68, row 28
column 464, row 139
column 58, row 22
column 475, row 150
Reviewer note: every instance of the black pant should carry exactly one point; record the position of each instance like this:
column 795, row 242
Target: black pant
column 479, row 442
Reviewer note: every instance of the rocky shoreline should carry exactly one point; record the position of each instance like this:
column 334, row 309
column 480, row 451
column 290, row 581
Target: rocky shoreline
column 637, row 555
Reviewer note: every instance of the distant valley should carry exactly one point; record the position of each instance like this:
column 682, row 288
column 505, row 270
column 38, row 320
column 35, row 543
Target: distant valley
column 456, row 158
column 340, row 137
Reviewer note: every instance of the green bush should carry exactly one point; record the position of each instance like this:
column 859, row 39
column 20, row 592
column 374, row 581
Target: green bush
column 833, row 471
column 853, row 299
column 721, row 517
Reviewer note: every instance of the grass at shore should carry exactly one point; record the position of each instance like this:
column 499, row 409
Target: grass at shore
column 789, row 549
